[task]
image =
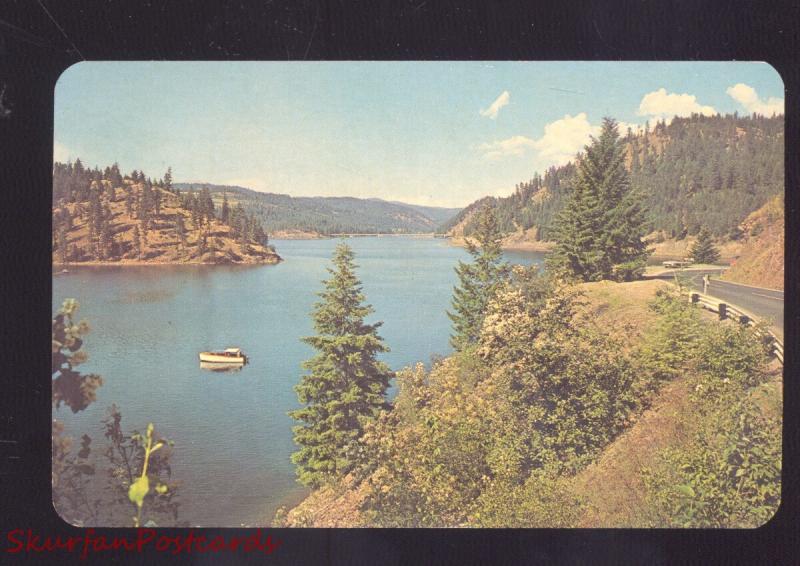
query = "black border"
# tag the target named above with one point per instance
(39, 39)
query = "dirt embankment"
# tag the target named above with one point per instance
(761, 261)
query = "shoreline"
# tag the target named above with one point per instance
(128, 263)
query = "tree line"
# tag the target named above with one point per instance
(88, 195)
(695, 172)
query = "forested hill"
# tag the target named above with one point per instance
(107, 217)
(710, 171)
(329, 215)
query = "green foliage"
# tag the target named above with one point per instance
(728, 476)
(703, 250)
(730, 355)
(568, 386)
(74, 390)
(491, 434)
(141, 475)
(346, 386)
(728, 473)
(544, 501)
(478, 281)
(599, 232)
(671, 345)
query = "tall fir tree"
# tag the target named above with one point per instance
(136, 243)
(478, 280)
(346, 384)
(703, 249)
(600, 231)
(225, 212)
(168, 179)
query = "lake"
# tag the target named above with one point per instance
(231, 431)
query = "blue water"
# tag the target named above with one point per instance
(231, 431)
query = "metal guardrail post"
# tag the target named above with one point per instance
(773, 343)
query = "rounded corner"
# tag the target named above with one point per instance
(777, 71)
(61, 517)
(766, 524)
(64, 72)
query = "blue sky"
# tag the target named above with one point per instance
(435, 133)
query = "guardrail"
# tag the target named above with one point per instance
(726, 310)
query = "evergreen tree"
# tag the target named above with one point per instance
(61, 242)
(157, 201)
(478, 280)
(346, 386)
(168, 179)
(180, 231)
(137, 243)
(599, 233)
(225, 213)
(703, 250)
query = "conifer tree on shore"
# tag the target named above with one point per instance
(478, 280)
(703, 250)
(600, 231)
(346, 386)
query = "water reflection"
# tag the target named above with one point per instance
(222, 366)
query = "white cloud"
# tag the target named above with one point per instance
(663, 104)
(748, 98)
(561, 141)
(564, 138)
(495, 107)
(515, 145)
(61, 153)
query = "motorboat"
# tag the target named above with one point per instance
(226, 356)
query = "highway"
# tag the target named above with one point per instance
(767, 304)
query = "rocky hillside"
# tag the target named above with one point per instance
(695, 172)
(108, 219)
(761, 260)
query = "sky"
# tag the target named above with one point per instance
(430, 133)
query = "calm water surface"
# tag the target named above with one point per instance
(231, 431)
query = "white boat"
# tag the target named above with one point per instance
(227, 356)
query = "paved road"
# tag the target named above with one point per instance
(764, 303)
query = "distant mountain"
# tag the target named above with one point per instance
(710, 171)
(328, 215)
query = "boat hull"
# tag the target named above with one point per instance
(221, 359)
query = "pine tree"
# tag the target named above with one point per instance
(180, 231)
(703, 250)
(137, 243)
(157, 201)
(346, 386)
(225, 213)
(61, 242)
(168, 179)
(478, 280)
(599, 232)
